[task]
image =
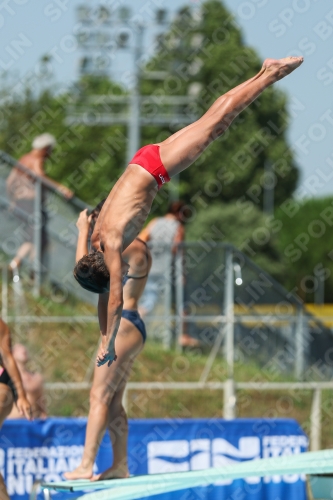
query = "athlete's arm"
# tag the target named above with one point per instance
(135, 256)
(102, 309)
(22, 403)
(83, 224)
(38, 168)
(41, 400)
(145, 233)
(115, 265)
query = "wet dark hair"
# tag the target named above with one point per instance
(92, 273)
(94, 216)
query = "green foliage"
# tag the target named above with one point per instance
(306, 244)
(203, 56)
(243, 226)
(208, 52)
(209, 55)
(87, 159)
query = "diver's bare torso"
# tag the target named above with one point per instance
(126, 208)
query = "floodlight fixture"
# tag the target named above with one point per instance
(123, 38)
(101, 62)
(83, 14)
(82, 37)
(161, 16)
(124, 13)
(103, 39)
(103, 14)
(84, 64)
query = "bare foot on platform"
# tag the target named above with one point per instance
(282, 67)
(79, 473)
(112, 473)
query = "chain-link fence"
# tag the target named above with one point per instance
(217, 295)
(207, 290)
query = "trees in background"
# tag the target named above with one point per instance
(305, 243)
(206, 56)
(86, 159)
(245, 227)
(203, 56)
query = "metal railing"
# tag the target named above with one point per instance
(215, 294)
(230, 387)
(61, 232)
(229, 398)
(256, 319)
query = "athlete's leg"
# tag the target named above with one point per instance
(210, 110)
(6, 404)
(179, 152)
(25, 249)
(118, 430)
(106, 383)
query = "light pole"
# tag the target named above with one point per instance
(131, 111)
(134, 121)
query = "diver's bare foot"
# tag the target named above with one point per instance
(112, 473)
(282, 67)
(79, 473)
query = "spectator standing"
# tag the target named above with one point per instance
(163, 235)
(11, 388)
(33, 385)
(21, 191)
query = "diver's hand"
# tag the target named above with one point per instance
(106, 355)
(24, 407)
(83, 221)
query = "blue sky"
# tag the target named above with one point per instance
(275, 28)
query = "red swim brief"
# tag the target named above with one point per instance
(149, 158)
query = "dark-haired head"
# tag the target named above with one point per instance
(94, 215)
(180, 210)
(92, 273)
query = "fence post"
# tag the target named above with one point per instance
(179, 295)
(229, 389)
(229, 399)
(167, 339)
(315, 418)
(37, 237)
(4, 294)
(299, 344)
(229, 312)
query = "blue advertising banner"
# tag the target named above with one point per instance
(43, 450)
